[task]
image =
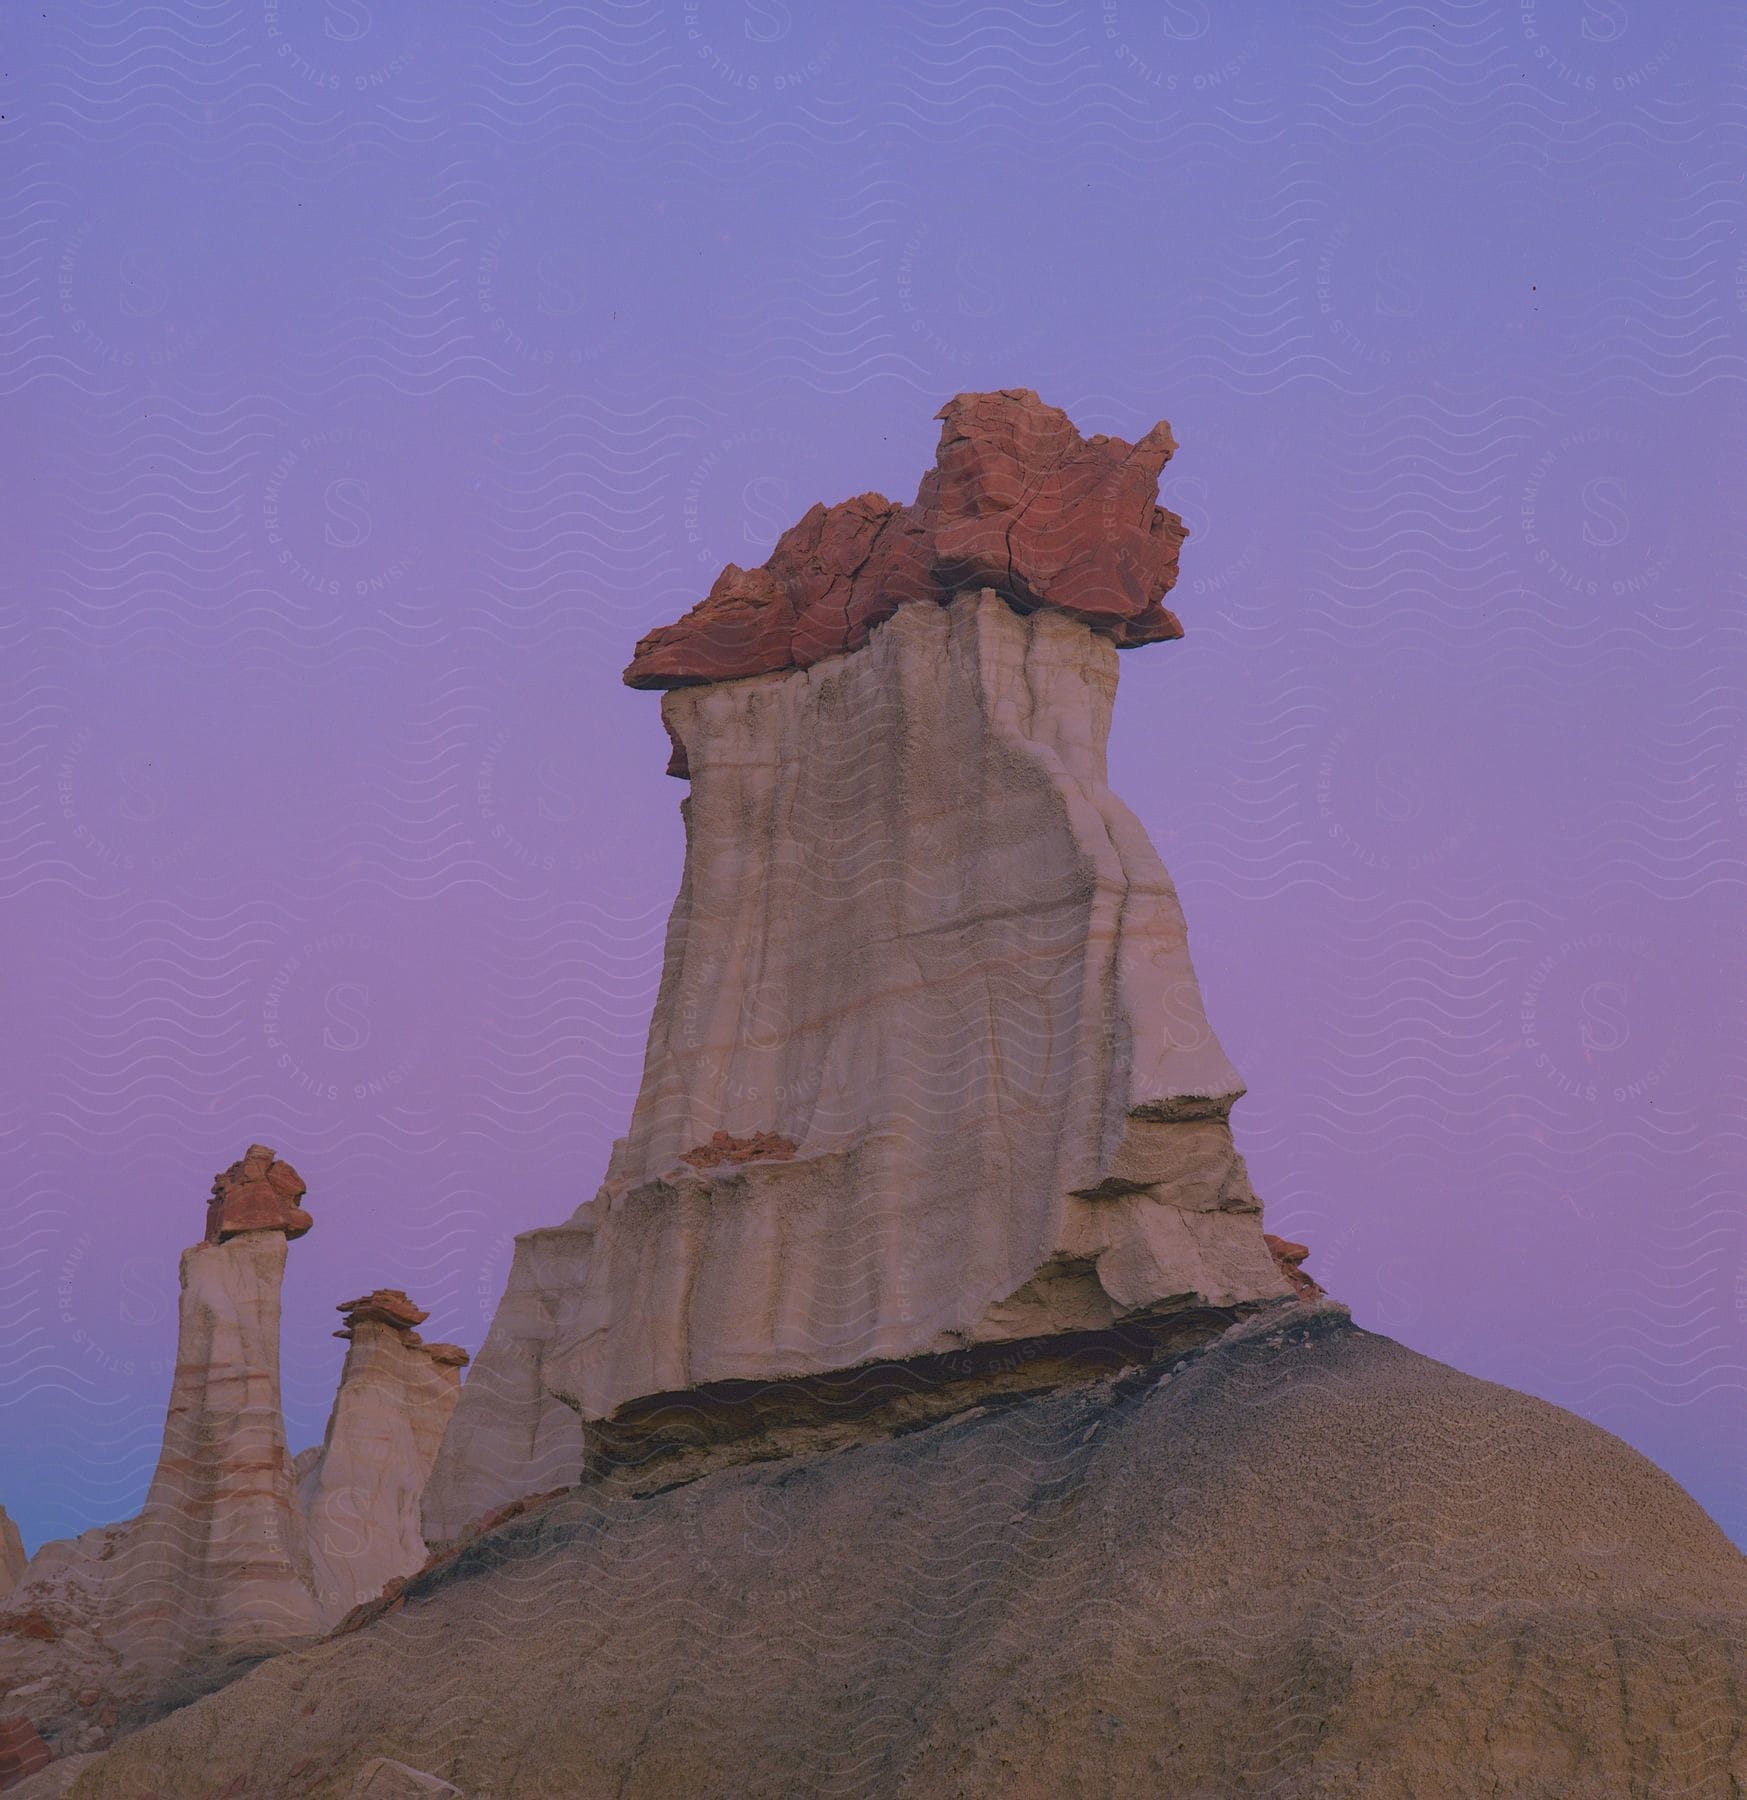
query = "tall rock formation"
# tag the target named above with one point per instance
(928, 1066)
(229, 1561)
(360, 1496)
(216, 1563)
(110, 1627)
(931, 1169)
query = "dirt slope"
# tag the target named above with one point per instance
(1308, 1563)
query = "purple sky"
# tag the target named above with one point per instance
(375, 373)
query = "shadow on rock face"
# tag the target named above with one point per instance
(1300, 1559)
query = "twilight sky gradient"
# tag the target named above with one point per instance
(376, 372)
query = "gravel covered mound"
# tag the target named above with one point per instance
(1302, 1561)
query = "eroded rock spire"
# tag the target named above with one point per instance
(929, 1068)
(216, 1563)
(233, 1556)
(360, 1494)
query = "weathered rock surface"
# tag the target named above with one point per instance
(22, 1751)
(1291, 1257)
(1307, 1562)
(259, 1193)
(240, 1550)
(382, 1778)
(723, 1147)
(919, 941)
(216, 1565)
(1017, 502)
(60, 1668)
(54, 1781)
(113, 1626)
(12, 1558)
(511, 1434)
(360, 1495)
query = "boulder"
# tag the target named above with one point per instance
(22, 1751)
(259, 1193)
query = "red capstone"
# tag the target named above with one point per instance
(259, 1193)
(762, 1146)
(1017, 501)
(388, 1306)
(1289, 1257)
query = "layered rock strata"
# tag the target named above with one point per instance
(112, 1626)
(1301, 1560)
(216, 1564)
(240, 1550)
(929, 1066)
